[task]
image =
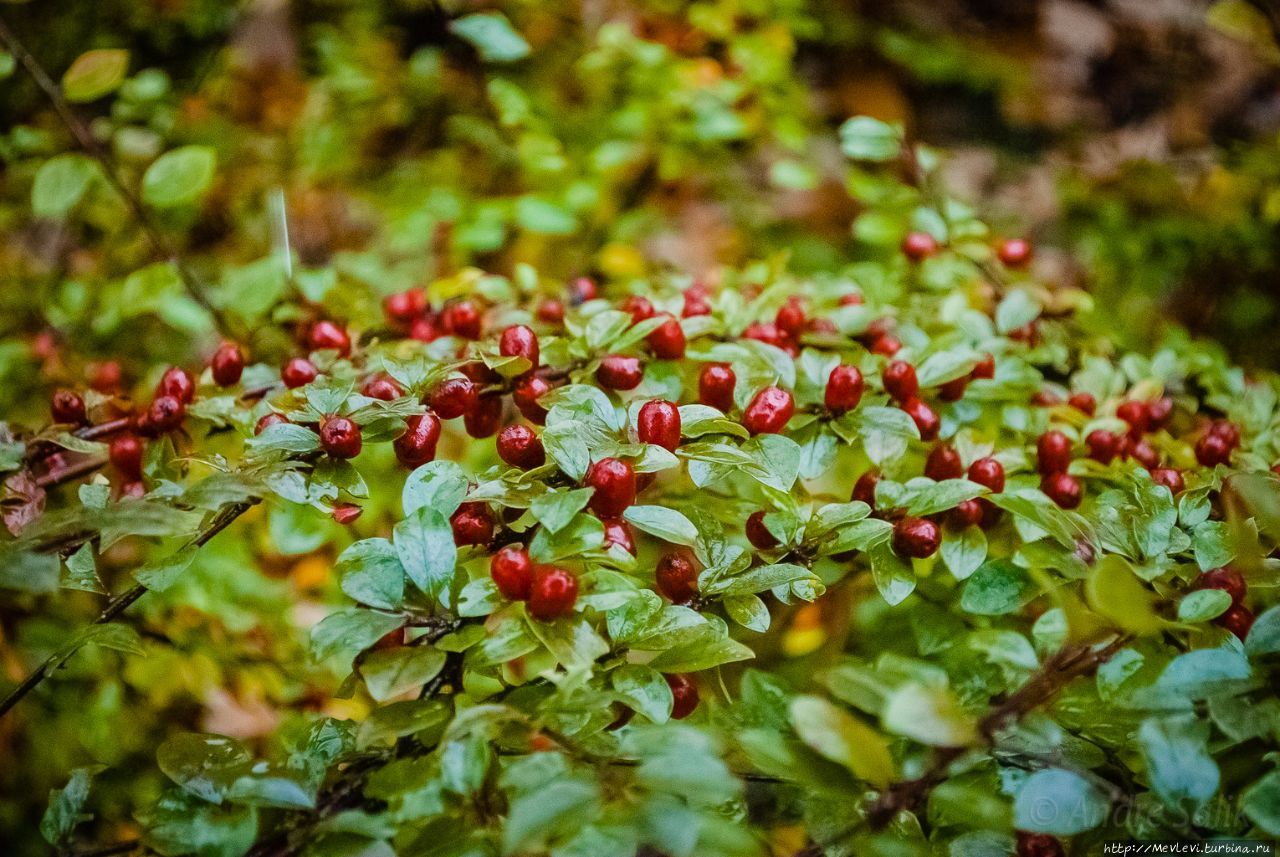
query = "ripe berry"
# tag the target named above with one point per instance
(758, 534)
(527, 391)
(1083, 402)
(520, 446)
(1145, 454)
(462, 319)
(639, 307)
(454, 397)
(919, 245)
(769, 334)
(618, 532)
(1227, 579)
(953, 390)
(417, 445)
(484, 419)
(519, 341)
(1045, 399)
(106, 377)
(551, 311)
(1062, 489)
(943, 463)
(346, 513)
(298, 372)
(615, 484)
(924, 417)
(1213, 449)
(1227, 430)
(851, 299)
(989, 473)
(1053, 452)
(1014, 252)
(512, 572)
(619, 373)
(1037, 845)
(886, 344)
(402, 308)
(1169, 478)
(340, 437)
(659, 423)
(424, 329)
(715, 386)
(582, 290)
(899, 379)
(325, 334)
(1135, 414)
(177, 382)
(67, 407)
(791, 318)
(125, 452)
(553, 594)
(165, 414)
(695, 303)
(382, 387)
(268, 420)
(472, 525)
(667, 342)
(864, 490)
(227, 364)
(1029, 333)
(677, 577)
(986, 367)
(844, 389)
(769, 411)
(1237, 619)
(916, 538)
(1159, 412)
(1104, 445)
(684, 695)
(967, 513)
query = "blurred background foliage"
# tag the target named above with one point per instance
(1136, 141)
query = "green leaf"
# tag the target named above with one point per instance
(894, 577)
(285, 437)
(885, 432)
(1261, 802)
(204, 765)
(161, 575)
(440, 485)
(392, 672)
(667, 524)
(1058, 802)
(929, 715)
(997, 588)
(66, 807)
(180, 823)
(560, 806)
(749, 611)
(1264, 636)
(644, 689)
(95, 74)
(424, 543)
(555, 509)
(839, 736)
(1203, 605)
(864, 138)
(179, 177)
(82, 571)
(1017, 309)
(928, 498)
(1178, 762)
(397, 719)
(701, 656)
(60, 184)
(372, 574)
(758, 579)
(492, 36)
(964, 552)
(348, 632)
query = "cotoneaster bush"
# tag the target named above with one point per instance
(894, 560)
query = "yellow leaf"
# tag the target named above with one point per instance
(1119, 596)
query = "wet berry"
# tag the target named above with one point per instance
(462, 319)
(618, 532)
(1063, 489)
(886, 344)
(472, 524)
(1083, 402)
(520, 446)
(402, 308)
(864, 490)
(227, 365)
(527, 391)
(165, 414)
(619, 373)
(1237, 619)
(1053, 452)
(125, 453)
(1158, 413)
(953, 390)
(768, 333)
(67, 407)
(677, 576)
(1135, 414)
(943, 463)
(667, 342)
(298, 372)
(919, 245)
(520, 341)
(899, 379)
(684, 695)
(1227, 579)
(551, 311)
(1104, 445)
(417, 445)
(791, 318)
(512, 572)
(916, 538)
(967, 513)
(454, 397)
(844, 389)
(485, 418)
(925, 418)
(639, 307)
(327, 335)
(1169, 478)
(769, 411)
(424, 329)
(1144, 453)
(553, 594)
(715, 386)
(758, 534)
(268, 420)
(695, 303)
(382, 387)
(1213, 449)
(340, 437)
(1014, 252)
(177, 382)
(659, 423)
(989, 473)
(615, 487)
(582, 290)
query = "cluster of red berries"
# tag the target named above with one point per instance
(1237, 618)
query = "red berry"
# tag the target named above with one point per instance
(1037, 845)
(715, 386)
(1104, 445)
(454, 397)
(417, 445)
(1029, 333)
(382, 387)
(484, 420)
(684, 695)
(989, 473)
(886, 344)
(1169, 478)
(639, 307)
(1159, 412)
(325, 334)
(967, 513)
(851, 299)
(1237, 619)
(899, 379)
(1063, 489)
(1045, 399)
(769, 334)
(618, 532)
(512, 572)
(1053, 452)
(1135, 414)
(402, 308)
(677, 577)
(864, 490)
(695, 303)
(924, 417)
(125, 452)
(462, 319)
(615, 484)
(227, 364)
(553, 594)
(1213, 449)
(67, 407)
(916, 538)
(758, 534)
(424, 329)
(472, 525)
(943, 463)
(165, 414)
(582, 290)
(520, 446)
(620, 373)
(346, 513)
(1145, 454)
(844, 388)
(769, 411)
(519, 341)
(340, 437)
(1083, 402)
(824, 325)
(551, 311)
(1014, 252)
(1227, 430)
(659, 423)
(791, 318)
(953, 390)
(1227, 579)
(106, 377)
(986, 368)
(268, 420)
(667, 342)
(919, 245)
(177, 382)
(298, 372)
(527, 391)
